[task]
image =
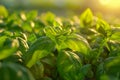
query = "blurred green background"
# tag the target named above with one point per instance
(65, 7)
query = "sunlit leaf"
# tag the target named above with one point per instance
(26, 27)
(76, 43)
(39, 49)
(32, 38)
(3, 11)
(48, 18)
(23, 46)
(86, 18)
(103, 27)
(6, 52)
(31, 15)
(50, 32)
(115, 36)
(8, 47)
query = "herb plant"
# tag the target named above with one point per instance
(48, 47)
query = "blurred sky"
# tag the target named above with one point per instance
(108, 7)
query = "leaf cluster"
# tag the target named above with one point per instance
(48, 47)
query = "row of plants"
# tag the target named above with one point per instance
(47, 47)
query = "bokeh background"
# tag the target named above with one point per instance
(106, 8)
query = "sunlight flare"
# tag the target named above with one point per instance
(110, 3)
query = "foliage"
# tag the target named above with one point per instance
(53, 48)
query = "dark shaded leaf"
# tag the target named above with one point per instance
(69, 65)
(13, 71)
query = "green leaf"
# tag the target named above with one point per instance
(2, 40)
(13, 71)
(115, 36)
(105, 77)
(23, 46)
(3, 12)
(85, 70)
(69, 65)
(32, 38)
(86, 18)
(8, 47)
(39, 49)
(27, 27)
(110, 69)
(100, 70)
(48, 18)
(65, 39)
(50, 32)
(4, 53)
(37, 70)
(31, 15)
(74, 42)
(112, 66)
(103, 27)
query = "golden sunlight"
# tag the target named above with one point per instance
(104, 2)
(110, 3)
